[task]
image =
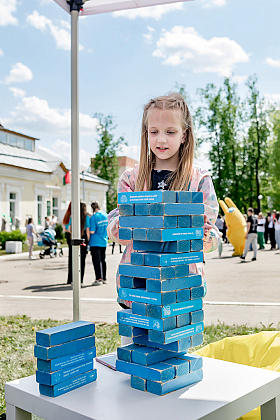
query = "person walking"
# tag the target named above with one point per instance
(251, 235)
(260, 230)
(98, 242)
(271, 229)
(31, 234)
(267, 219)
(277, 229)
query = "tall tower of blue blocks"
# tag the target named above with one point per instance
(65, 357)
(167, 316)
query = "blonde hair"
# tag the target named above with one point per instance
(180, 178)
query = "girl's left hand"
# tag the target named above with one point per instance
(207, 226)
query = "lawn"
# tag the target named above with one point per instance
(18, 333)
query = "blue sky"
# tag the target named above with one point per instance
(125, 59)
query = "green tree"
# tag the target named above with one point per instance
(274, 159)
(105, 162)
(257, 143)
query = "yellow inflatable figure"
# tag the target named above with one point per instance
(236, 225)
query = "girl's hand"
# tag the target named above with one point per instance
(207, 226)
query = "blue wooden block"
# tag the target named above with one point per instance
(141, 295)
(125, 234)
(183, 320)
(157, 209)
(166, 260)
(161, 312)
(173, 284)
(196, 316)
(182, 209)
(166, 337)
(183, 295)
(131, 270)
(64, 333)
(195, 361)
(184, 221)
(196, 340)
(132, 282)
(126, 209)
(137, 258)
(47, 378)
(170, 222)
(128, 318)
(176, 347)
(164, 235)
(197, 292)
(147, 197)
(182, 270)
(137, 222)
(138, 383)
(189, 197)
(129, 331)
(142, 209)
(197, 221)
(139, 234)
(66, 361)
(197, 245)
(139, 308)
(181, 366)
(147, 356)
(174, 384)
(69, 385)
(125, 352)
(48, 353)
(157, 372)
(171, 246)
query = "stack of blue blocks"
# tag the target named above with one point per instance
(167, 315)
(65, 357)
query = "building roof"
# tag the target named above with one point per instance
(39, 160)
(16, 133)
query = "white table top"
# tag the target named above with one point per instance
(227, 391)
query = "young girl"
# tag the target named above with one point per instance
(166, 162)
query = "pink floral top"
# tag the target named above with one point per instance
(200, 181)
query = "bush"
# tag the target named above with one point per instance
(15, 235)
(59, 232)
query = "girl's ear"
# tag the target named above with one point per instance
(184, 137)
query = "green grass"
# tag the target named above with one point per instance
(18, 333)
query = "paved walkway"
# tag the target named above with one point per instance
(238, 292)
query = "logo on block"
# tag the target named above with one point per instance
(198, 233)
(156, 324)
(166, 310)
(199, 329)
(123, 199)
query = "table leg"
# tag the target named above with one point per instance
(15, 413)
(271, 409)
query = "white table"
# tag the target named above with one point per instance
(227, 391)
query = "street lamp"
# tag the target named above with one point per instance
(260, 197)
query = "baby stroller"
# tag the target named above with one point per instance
(50, 244)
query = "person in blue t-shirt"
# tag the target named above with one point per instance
(98, 242)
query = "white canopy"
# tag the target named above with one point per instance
(93, 7)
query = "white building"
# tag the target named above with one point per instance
(31, 183)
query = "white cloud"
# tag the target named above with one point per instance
(239, 79)
(132, 151)
(18, 93)
(154, 12)
(272, 63)
(61, 34)
(19, 73)
(1, 53)
(62, 150)
(212, 3)
(187, 48)
(7, 8)
(272, 98)
(36, 114)
(149, 36)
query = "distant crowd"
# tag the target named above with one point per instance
(260, 230)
